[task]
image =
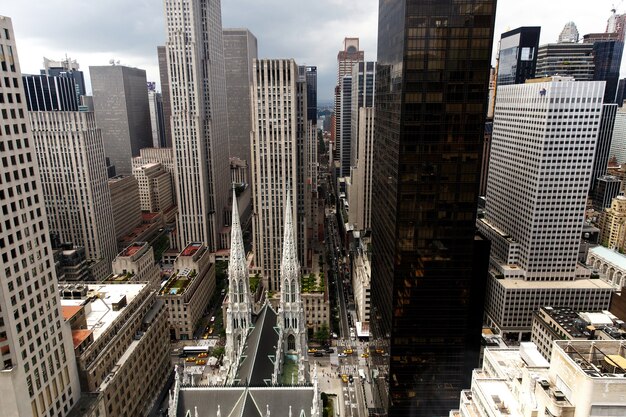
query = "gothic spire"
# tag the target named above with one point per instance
(237, 264)
(289, 266)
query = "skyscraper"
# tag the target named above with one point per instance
(240, 50)
(542, 150)
(569, 34)
(276, 163)
(518, 55)
(311, 94)
(157, 120)
(39, 375)
(605, 133)
(165, 93)
(66, 68)
(607, 59)
(345, 129)
(195, 61)
(49, 93)
(120, 99)
(428, 266)
(569, 59)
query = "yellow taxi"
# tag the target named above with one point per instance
(380, 351)
(190, 359)
(203, 355)
(365, 355)
(344, 378)
(348, 351)
(200, 362)
(312, 350)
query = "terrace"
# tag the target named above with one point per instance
(313, 283)
(178, 282)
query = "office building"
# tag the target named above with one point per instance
(124, 192)
(360, 190)
(428, 266)
(346, 58)
(603, 148)
(199, 120)
(66, 68)
(566, 59)
(120, 99)
(277, 166)
(49, 93)
(621, 92)
(74, 180)
(311, 94)
(565, 323)
(618, 140)
(583, 378)
(188, 290)
(157, 121)
(136, 264)
(607, 188)
(71, 262)
(345, 129)
(121, 343)
(38, 374)
(534, 222)
(607, 59)
(155, 187)
(165, 95)
(518, 55)
(569, 34)
(240, 49)
(613, 224)
(363, 83)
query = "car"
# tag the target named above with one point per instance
(342, 355)
(365, 355)
(190, 359)
(350, 378)
(203, 355)
(380, 351)
(344, 378)
(203, 362)
(348, 351)
(212, 319)
(330, 350)
(205, 336)
(312, 350)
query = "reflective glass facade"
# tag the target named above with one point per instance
(428, 266)
(518, 55)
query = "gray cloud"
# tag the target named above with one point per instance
(312, 32)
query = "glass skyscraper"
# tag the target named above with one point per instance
(518, 55)
(428, 265)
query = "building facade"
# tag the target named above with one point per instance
(607, 188)
(136, 264)
(195, 60)
(165, 95)
(155, 187)
(39, 376)
(603, 148)
(125, 202)
(74, 179)
(566, 59)
(518, 55)
(120, 99)
(50, 93)
(613, 225)
(428, 266)
(607, 59)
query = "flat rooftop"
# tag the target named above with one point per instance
(609, 255)
(191, 249)
(99, 304)
(133, 249)
(520, 284)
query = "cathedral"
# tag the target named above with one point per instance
(265, 368)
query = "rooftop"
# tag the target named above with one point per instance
(520, 284)
(596, 358)
(99, 304)
(609, 255)
(79, 336)
(133, 249)
(69, 311)
(178, 282)
(191, 249)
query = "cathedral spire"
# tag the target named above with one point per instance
(239, 313)
(289, 265)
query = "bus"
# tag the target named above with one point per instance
(362, 374)
(194, 350)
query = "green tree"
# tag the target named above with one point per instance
(322, 334)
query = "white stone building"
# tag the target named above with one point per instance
(136, 264)
(155, 187)
(38, 374)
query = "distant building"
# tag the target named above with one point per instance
(120, 98)
(566, 59)
(569, 34)
(361, 278)
(72, 167)
(73, 264)
(49, 93)
(157, 122)
(603, 148)
(66, 68)
(165, 95)
(155, 187)
(607, 59)
(121, 343)
(125, 203)
(518, 55)
(621, 92)
(136, 264)
(618, 141)
(188, 290)
(311, 94)
(613, 224)
(607, 188)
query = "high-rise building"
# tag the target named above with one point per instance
(621, 92)
(195, 61)
(618, 140)
(428, 265)
(603, 147)
(39, 375)
(566, 59)
(616, 24)
(311, 93)
(606, 189)
(533, 219)
(74, 183)
(240, 49)
(518, 55)
(155, 187)
(165, 93)
(276, 165)
(49, 93)
(569, 34)
(157, 121)
(607, 59)
(66, 68)
(346, 58)
(363, 82)
(613, 224)
(120, 99)
(125, 203)
(345, 129)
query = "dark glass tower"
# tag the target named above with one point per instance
(518, 55)
(428, 265)
(607, 58)
(311, 94)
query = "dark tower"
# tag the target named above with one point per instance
(518, 55)
(428, 265)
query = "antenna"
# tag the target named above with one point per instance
(112, 61)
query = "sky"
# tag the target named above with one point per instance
(94, 31)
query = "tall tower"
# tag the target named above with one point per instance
(291, 310)
(432, 82)
(120, 100)
(195, 61)
(518, 55)
(38, 372)
(239, 312)
(278, 158)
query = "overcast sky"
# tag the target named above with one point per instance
(312, 32)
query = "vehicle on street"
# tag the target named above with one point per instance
(330, 350)
(312, 350)
(203, 355)
(190, 359)
(342, 355)
(318, 354)
(365, 355)
(350, 378)
(348, 351)
(344, 378)
(203, 362)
